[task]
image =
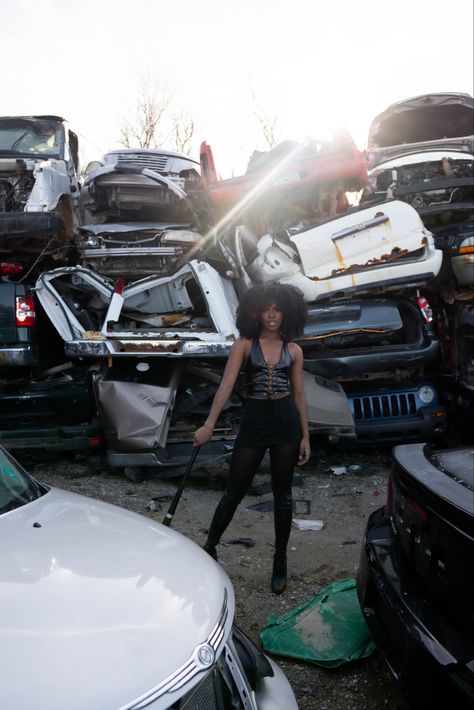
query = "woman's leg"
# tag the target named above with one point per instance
(243, 465)
(283, 459)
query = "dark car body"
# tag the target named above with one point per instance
(18, 331)
(415, 580)
(27, 336)
(54, 411)
(350, 338)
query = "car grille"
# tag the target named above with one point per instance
(153, 162)
(384, 406)
(203, 697)
(189, 669)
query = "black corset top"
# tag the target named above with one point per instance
(267, 381)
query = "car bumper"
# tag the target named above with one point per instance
(426, 655)
(375, 361)
(32, 223)
(53, 439)
(19, 356)
(429, 423)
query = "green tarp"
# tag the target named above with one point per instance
(328, 630)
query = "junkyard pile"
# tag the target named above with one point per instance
(119, 288)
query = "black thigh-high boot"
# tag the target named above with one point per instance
(283, 518)
(223, 515)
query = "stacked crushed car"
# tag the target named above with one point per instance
(139, 288)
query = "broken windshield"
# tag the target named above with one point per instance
(24, 136)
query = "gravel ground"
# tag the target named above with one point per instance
(342, 502)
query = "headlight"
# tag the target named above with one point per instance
(426, 394)
(467, 246)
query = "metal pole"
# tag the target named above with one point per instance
(174, 503)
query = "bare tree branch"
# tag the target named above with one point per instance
(183, 132)
(270, 123)
(147, 128)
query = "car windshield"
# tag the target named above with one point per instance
(16, 487)
(30, 137)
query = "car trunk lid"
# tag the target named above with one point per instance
(433, 515)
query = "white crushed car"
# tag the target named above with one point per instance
(137, 216)
(377, 248)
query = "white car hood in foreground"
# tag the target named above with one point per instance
(98, 605)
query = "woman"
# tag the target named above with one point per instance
(275, 415)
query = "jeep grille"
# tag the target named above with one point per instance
(384, 406)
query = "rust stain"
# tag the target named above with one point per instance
(352, 331)
(339, 256)
(394, 255)
(152, 347)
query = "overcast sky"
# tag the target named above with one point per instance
(313, 64)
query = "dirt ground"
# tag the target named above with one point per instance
(343, 502)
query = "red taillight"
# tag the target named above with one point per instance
(11, 268)
(418, 510)
(25, 313)
(425, 309)
(95, 441)
(389, 502)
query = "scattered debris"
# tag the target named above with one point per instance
(354, 468)
(308, 524)
(337, 470)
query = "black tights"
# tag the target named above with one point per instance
(243, 465)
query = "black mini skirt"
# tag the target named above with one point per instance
(267, 422)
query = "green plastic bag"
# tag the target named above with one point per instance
(327, 630)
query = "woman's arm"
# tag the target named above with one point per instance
(237, 357)
(297, 389)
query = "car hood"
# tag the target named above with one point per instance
(99, 605)
(423, 118)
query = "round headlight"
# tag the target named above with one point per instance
(426, 394)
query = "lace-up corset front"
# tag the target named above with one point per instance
(266, 381)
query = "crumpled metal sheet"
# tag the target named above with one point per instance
(135, 415)
(327, 404)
